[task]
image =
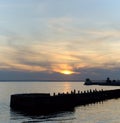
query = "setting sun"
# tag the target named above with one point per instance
(67, 72)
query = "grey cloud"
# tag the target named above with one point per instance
(92, 73)
(24, 54)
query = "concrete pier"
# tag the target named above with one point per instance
(44, 102)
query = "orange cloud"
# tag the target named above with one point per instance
(18, 66)
(93, 49)
(63, 68)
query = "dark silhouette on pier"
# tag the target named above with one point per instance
(45, 103)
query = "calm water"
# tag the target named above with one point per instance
(104, 112)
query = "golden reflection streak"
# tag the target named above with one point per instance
(67, 87)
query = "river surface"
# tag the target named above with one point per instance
(102, 112)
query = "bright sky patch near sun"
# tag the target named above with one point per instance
(67, 72)
(59, 36)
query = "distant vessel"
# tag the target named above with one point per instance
(102, 82)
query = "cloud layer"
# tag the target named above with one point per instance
(41, 38)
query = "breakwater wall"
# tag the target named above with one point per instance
(44, 102)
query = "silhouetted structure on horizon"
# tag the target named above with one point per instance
(102, 82)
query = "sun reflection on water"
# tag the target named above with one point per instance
(67, 87)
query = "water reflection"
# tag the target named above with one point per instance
(95, 112)
(8, 88)
(67, 87)
(53, 117)
(106, 112)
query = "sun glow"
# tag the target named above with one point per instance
(67, 72)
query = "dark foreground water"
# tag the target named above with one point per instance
(103, 112)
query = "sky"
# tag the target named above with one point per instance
(59, 39)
